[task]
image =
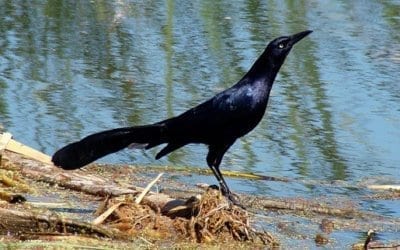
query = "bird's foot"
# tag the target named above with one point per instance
(232, 198)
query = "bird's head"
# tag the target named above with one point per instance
(271, 60)
(280, 47)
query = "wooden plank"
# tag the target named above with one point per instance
(6, 142)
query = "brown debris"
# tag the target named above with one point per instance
(161, 219)
(327, 226)
(321, 239)
(212, 220)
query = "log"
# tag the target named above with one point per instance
(75, 180)
(306, 206)
(28, 222)
(80, 181)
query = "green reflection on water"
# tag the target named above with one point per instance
(57, 55)
(301, 118)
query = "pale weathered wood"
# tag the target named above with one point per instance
(384, 187)
(20, 148)
(79, 180)
(147, 189)
(7, 143)
(4, 140)
(76, 180)
(102, 217)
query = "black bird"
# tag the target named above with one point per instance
(217, 122)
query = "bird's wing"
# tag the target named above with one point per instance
(225, 114)
(225, 107)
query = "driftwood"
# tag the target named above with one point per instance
(87, 181)
(214, 220)
(80, 181)
(95, 185)
(6, 142)
(303, 206)
(385, 187)
(28, 222)
(75, 180)
(122, 217)
(43, 170)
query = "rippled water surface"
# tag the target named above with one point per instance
(71, 68)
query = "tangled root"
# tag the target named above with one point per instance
(212, 220)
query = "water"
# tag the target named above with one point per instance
(71, 68)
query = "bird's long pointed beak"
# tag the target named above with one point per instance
(297, 37)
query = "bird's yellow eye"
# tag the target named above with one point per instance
(281, 45)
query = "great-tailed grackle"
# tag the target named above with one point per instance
(217, 122)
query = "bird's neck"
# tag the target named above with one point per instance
(264, 69)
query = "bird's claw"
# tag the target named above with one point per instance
(234, 201)
(232, 198)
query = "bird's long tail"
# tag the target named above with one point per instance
(95, 146)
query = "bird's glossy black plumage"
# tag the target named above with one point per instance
(217, 122)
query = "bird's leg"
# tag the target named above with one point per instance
(226, 192)
(224, 187)
(214, 158)
(222, 184)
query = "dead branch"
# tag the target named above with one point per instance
(28, 222)
(79, 180)
(75, 180)
(306, 206)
